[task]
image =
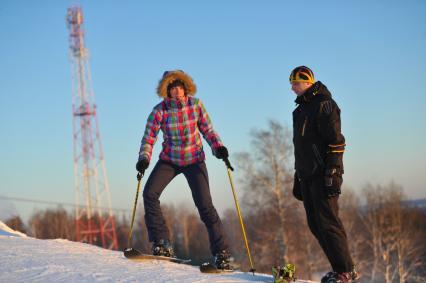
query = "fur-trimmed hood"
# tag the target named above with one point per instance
(171, 76)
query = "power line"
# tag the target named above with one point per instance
(57, 203)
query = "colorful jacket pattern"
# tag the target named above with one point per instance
(181, 123)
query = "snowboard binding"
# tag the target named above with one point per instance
(343, 277)
(223, 260)
(163, 248)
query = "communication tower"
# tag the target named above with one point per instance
(95, 222)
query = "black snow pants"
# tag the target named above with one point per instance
(198, 180)
(325, 224)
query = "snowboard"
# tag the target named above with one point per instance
(208, 267)
(136, 255)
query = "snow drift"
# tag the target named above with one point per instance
(26, 259)
(6, 231)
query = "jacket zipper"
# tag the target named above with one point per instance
(304, 126)
(318, 155)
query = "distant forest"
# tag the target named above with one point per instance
(386, 233)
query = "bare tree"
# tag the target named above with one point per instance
(52, 224)
(16, 224)
(395, 236)
(140, 234)
(193, 237)
(123, 229)
(381, 237)
(410, 246)
(267, 178)
(356, 230)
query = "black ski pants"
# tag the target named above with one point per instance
(198, 180)
(325, 224)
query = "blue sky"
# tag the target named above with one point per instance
(370, 54)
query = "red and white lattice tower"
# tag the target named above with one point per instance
(95, 222)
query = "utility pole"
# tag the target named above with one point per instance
(94, 225)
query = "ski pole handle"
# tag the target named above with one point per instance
(228, 164)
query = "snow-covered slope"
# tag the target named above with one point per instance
(6, 231)
(25, 259)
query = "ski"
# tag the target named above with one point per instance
(136, 255)
(207, 267)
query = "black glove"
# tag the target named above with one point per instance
(142, 165)
(297, 192)
(222, 152)
(332, 182)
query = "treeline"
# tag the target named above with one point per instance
(386, 236)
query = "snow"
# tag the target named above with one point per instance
(6, 231)
(26, 259)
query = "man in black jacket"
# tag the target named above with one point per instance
(318, 149)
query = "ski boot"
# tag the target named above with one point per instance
(222, 260)
(342, 277)
(163, 248)
(284, 274)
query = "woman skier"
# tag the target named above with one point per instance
(181, 117)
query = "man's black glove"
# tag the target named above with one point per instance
(297, 191)
(222, 152)
(332, 182)
(141, 165)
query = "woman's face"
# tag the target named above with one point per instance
(177, 92)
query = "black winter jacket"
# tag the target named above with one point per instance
(318, 141)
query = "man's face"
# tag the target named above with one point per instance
(299, 88)
(177, 92)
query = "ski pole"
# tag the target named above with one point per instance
(229, 168)
(139, 177)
